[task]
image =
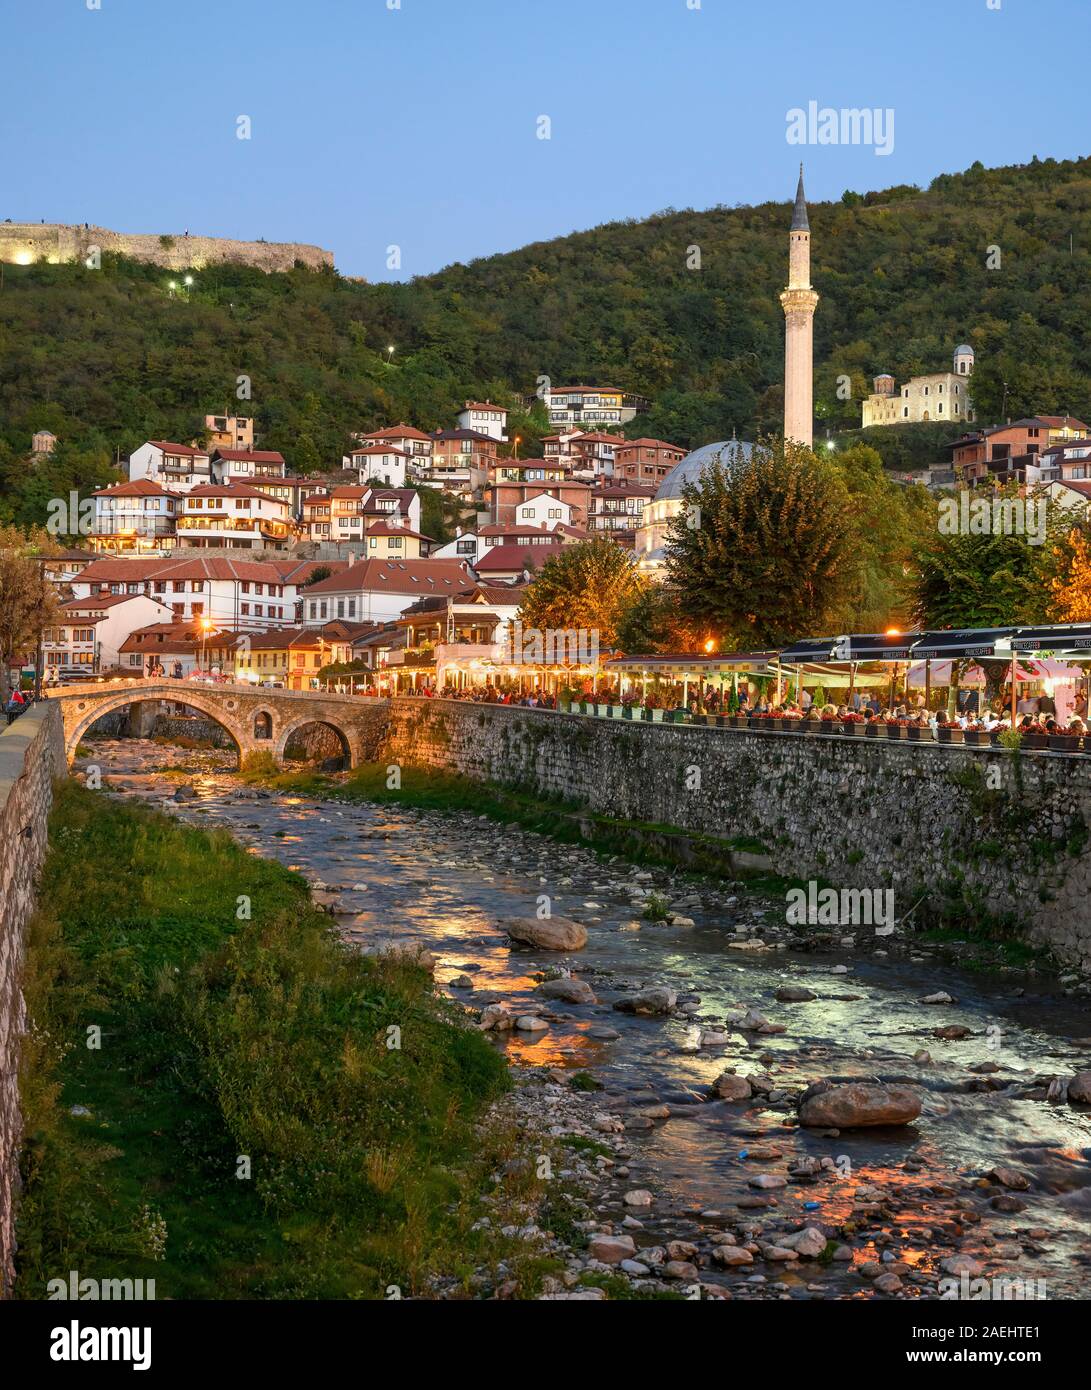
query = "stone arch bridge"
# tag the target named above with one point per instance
(256, 719)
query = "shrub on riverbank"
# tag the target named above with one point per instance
(246, 1126)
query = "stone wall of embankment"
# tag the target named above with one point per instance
(31, 756)
(968, 834)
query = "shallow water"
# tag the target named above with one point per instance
(445, 883)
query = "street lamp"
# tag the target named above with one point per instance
(206, 628)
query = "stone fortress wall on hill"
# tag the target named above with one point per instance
(23, 243)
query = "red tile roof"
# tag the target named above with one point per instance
(140, 487)
(186, 450)
(233, 490)
(397, 577)
(650, 444)
(398, 432)
(209, 567)
(244, 455)
(508, 559)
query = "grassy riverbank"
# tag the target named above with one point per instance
(243, 1126)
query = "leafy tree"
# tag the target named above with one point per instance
(28, 604)
(983, 580)
(589, 585)
(763, 550)
(1071, 589)
(890, 521)
(651, 623)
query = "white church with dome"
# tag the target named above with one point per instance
(799, 301)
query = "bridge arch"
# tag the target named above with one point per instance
(82, 713)
(347, 736)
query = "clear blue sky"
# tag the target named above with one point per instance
(417, 126)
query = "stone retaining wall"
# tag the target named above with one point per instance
(31, 756)
(978, 834)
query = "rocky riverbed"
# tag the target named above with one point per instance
(703, 1070)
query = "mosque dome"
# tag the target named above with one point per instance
(694, 466)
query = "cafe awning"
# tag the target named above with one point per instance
(809, 649)
(880, 646)
(672, 665)
(985, 643)
(1063, 639)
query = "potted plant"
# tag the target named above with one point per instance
(919, 733)
(1064, 743)
(976, 735)
(948, 733)
(895, 728)
(627, 708)
(853, 725)
(1034, 738)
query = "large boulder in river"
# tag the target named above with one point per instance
(1079, 1088)
(857, 1105)
(656, 1000)
(548, 934)
(568, 991)
(731, 1087)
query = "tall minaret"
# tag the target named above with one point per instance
(799, 302)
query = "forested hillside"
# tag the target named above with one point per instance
(107, 358)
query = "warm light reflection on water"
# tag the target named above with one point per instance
(428, 881)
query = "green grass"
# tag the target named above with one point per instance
(983, 947)
(225, 1037)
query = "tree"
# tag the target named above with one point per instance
(588, 586)
(1071, 589)
(763, 550)
(28, 604)
(651, 623)
(985, 579)
(319, 572)
(890, 521)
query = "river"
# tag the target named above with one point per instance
(916, 1194)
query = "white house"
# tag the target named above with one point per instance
(545, 511)
(220, 515)
(246, 465)
(137, 517)
(407, 438)
(380, 590)
(176, 467)
(382, 464)
(485, 418)
(238, 594)
(90, 635)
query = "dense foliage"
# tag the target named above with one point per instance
(107, 358)
(789, 543)
(587, 587)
